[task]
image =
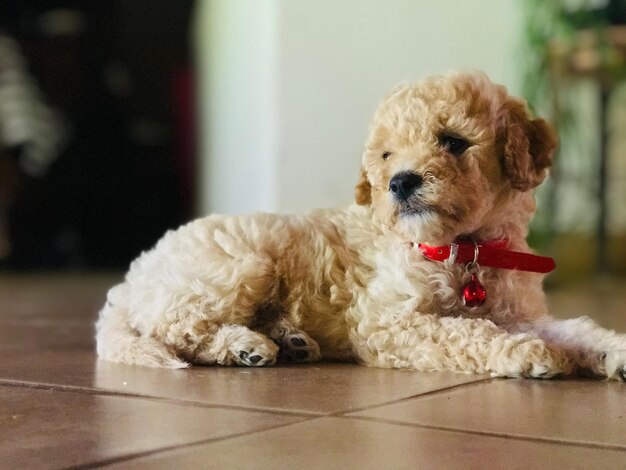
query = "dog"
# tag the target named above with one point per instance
(429, 269)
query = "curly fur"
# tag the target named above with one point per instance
(346, 284)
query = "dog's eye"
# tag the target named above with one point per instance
(455, 145)
(386, 155)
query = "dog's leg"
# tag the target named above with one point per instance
(430, 343)
(204, 307)
(295, 345)
(235, 345)
(118, 341)
(596, 349)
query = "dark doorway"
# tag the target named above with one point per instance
(119, 73)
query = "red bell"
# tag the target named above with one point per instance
(474, 293)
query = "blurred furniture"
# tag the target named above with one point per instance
(111, 69)
(600, 56)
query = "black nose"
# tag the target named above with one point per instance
(404, 184)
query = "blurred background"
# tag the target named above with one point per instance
(122, 119)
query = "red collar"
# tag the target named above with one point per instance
(491, 253)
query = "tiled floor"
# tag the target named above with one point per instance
(60, 407)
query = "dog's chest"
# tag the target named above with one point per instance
(430, 287)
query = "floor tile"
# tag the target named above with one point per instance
(319, 389)
(45, 336)
(57, 429)
(602, 300)
(350, 443)
(47, 340)
(62, 298)
(323, 388)
(64, 354)
(588, 412)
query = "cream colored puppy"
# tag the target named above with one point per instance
(448, 169)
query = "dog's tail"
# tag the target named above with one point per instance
(118, 341)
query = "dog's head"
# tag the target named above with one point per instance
(454, 155)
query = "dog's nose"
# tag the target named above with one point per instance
(404, 184)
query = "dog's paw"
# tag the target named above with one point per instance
(615, 364)
(254, 351)
(297, 347)
(531, 359)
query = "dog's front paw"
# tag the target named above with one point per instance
(531, 358)
(615, 364)
(254, 351)
(298, 347)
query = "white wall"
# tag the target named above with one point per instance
(288, 86)
(236, 44)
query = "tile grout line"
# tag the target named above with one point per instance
(309, 415)
(514, 437)
(174, 401)
(411, 397)
(278, 411)
(105, 392)
(130, 457)
(313, 414)
(148, 453)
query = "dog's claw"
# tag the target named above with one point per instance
(615, 364)
(256, 358)
(298, 342)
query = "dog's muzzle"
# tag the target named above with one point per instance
(403, 185)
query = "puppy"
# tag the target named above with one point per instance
(429, 270)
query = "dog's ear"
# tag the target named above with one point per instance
(528, 147)
(363, 190)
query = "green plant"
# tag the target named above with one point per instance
(559, 36)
